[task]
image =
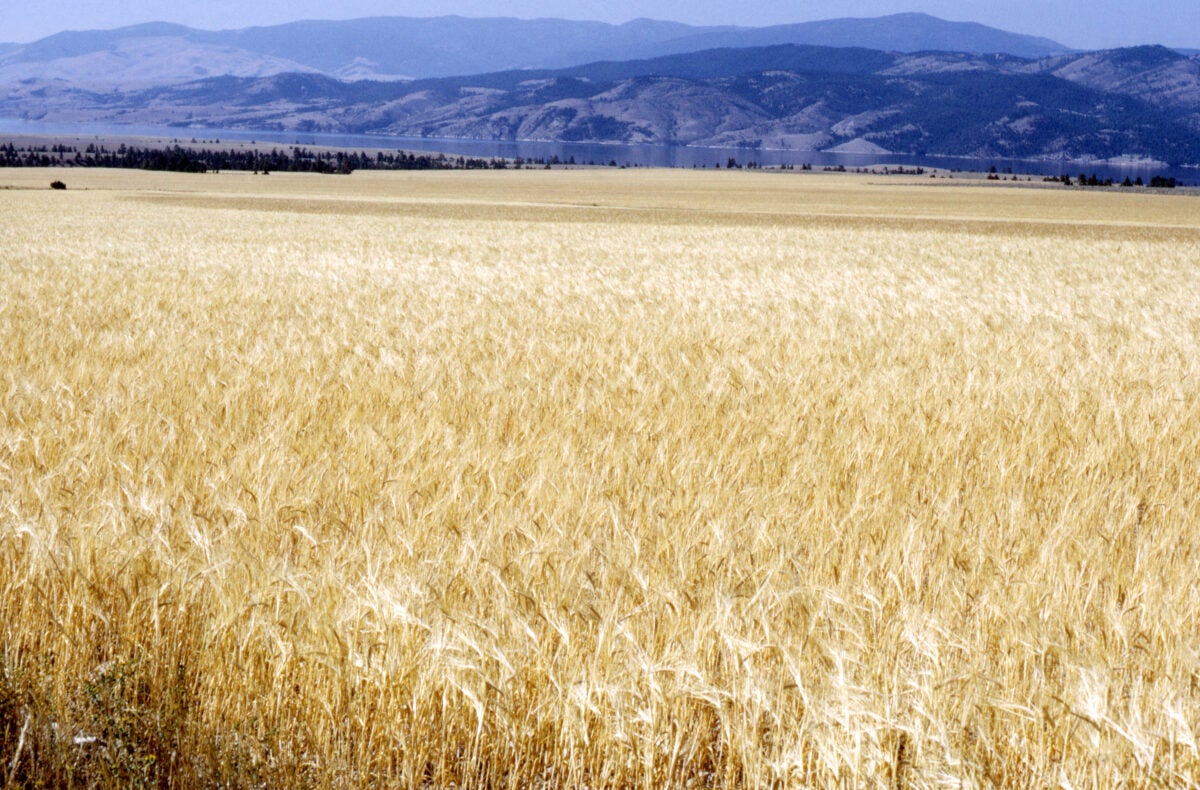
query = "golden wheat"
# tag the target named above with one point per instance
(597, 479)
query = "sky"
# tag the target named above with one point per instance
(1083, 24)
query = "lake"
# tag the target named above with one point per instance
(604, 154)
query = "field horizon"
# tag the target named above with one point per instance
(596, 478)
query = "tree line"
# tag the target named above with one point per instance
(176, 158)
(1084, 180)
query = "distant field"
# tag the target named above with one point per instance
(596, 478)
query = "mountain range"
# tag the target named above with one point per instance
(391, 48)
(974, 99)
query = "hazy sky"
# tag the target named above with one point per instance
(1079, 23)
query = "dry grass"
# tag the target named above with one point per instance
(596, 479)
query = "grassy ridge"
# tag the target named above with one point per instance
(390, 479)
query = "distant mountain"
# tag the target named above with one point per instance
(136, 61)
(1087, 105)
(895, 33)
(407, 47)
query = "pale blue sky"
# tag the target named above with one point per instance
(1085, 24)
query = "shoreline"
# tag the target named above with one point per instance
(934, 176)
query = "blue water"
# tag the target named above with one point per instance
(621, 155)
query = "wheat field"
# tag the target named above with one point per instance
(597, 479)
